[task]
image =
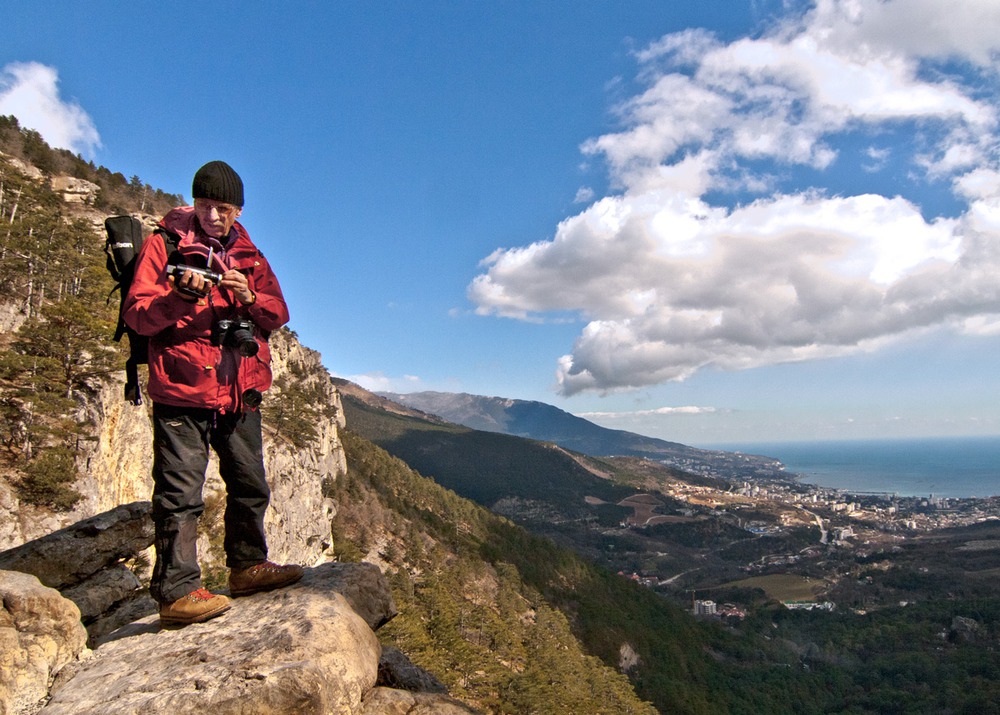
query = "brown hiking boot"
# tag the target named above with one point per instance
(197, 606)
(262, 577)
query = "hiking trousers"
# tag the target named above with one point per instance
(182, 437)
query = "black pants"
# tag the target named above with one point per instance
(181, 439)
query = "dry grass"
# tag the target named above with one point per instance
(784, 587)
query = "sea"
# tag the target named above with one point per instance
(947, 467)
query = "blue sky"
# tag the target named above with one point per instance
(711, 222)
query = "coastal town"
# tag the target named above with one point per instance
(809, 546)
(765, 481)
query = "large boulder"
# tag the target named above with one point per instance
(100, 594)
(40, 632)
(309, 648)
(85, 562)
(67, 557)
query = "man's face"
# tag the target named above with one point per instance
(215, 217)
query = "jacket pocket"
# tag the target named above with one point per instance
(186, 372)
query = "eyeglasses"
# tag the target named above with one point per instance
(224, 210)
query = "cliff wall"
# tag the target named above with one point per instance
(115, 463)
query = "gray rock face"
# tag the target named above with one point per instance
(395, 670)
(40, 632)
(308, 648)
(67, 557)
(115, 466)
(84, 561)
(298, 521)
(103, 592)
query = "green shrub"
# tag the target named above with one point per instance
(48, 480)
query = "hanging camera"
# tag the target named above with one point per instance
(236, 334)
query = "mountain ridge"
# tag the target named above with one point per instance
(540, 421)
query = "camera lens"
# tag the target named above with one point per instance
(252, 398)
(245, 343)
(243, 339)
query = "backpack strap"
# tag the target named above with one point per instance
(133, 393)
(139, 344)
(170, 240)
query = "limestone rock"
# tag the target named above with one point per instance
(68, 556)
(386, 701)
(12, 316)
(308, 648)
(74, 190)
(29, 170)
(10, 528)
(115, 468)
(116, 464)
(40, 632)
(365, 588)
(119, 470)
(964, 629)
(298, 523)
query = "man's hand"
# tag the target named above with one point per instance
(236, 283)
(190, 282)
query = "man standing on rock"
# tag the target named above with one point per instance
(208, 301)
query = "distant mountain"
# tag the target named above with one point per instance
(485, 466)
(539, 421)
(535, 420)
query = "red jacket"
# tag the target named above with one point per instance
(185, 368)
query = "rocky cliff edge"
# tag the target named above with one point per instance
(309, 648)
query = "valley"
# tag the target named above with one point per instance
(688, 523)
(806, 600)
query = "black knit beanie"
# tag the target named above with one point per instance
(217, 181)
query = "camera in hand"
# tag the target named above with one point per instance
(236, 334)
(178, 270)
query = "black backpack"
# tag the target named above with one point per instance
(122, 246)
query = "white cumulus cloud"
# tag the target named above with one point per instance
(380, 382)
(30, 92)
(670, 280)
